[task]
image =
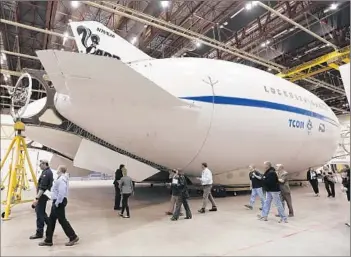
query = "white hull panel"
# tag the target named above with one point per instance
(247, 121)
(101, 159)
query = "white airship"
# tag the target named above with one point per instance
(180, 112)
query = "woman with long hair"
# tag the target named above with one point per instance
(127, 189)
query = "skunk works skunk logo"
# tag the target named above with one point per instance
(91, 42)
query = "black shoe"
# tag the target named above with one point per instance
(45, 243)
(248, 206)
(188, 218)
(72, 242)
(173, 219)
(36, 236)
(117, 208)
(214, 208)
(202, 210)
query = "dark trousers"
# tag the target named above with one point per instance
(182, 201)
(117, 198)
(42, 217)
(314, 184)
(286, 197)
(59, 213)
(330, 187)
(125, 205)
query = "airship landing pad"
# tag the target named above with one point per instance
(318, 228)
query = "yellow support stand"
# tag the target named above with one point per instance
(17, 175)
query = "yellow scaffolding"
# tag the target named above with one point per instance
(333, 60)
(310, 74)
(17, 173)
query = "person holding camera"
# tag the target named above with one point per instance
(312, 177)
(44, 183)
(256, 187)
(181, 190)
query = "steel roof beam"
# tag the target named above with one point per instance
(296, 24)
(150, 20)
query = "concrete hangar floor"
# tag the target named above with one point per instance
(318, 228)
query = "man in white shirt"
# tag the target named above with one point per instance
(206, 182)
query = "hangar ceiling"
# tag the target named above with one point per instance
(244, 25)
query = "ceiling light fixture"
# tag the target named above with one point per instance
(198, 44)
(74, 4)
(164, 4)
(133, 41)
(248, 6)
(65, 36)
(333, 6)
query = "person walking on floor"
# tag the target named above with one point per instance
(44, 183)
(329, 182)
(58, 210)
(346, 185)
(181, 188)
(118, 176)
(206, 182)
(285, 192)
(127, 189)
(256, 187)
(174, 195)
(272, 188)
(313, 179)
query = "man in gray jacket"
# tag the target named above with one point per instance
(285, 188)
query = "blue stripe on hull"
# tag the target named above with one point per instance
(260, 104)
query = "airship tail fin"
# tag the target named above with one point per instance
(93, 37)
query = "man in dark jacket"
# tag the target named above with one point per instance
(181, 190)
(313, 179)
(118, 176)
(272, 188)
(174, 195)
(44, 183)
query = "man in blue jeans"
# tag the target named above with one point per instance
(256, 187)
(272, 188)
